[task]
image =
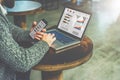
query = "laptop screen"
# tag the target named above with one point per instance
(73, 22)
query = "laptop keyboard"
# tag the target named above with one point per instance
(62, 38)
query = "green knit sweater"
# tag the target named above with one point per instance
(13, 57)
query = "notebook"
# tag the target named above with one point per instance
(70, 29)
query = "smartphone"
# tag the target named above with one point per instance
(42, 24)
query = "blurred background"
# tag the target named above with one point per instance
(103, 29)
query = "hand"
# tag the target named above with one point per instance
(34, 24)
(38, 35)
(49, 38)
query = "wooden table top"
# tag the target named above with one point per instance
(24, 7)
(68, 59)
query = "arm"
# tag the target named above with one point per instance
(19, 58)
(20, 35)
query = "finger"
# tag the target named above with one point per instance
(37, 38)
(40, 33)
(53, 35)
(54, 38)
(34, 24)
(43, 30)
(48, 34)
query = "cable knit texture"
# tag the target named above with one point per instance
(13, 57)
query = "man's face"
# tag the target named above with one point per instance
(8, 3)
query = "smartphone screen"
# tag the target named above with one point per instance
(41, 25)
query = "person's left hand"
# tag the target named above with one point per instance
(38, 35)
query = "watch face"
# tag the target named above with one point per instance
(9, 3)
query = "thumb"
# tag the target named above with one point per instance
(33, 25)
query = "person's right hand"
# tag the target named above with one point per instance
(49, 38)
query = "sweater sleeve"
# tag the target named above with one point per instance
(19, 58)
(21, 36)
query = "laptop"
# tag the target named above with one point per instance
(70, 29)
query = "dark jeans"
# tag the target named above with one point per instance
(23, 76)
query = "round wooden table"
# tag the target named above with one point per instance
(23, 8)
(53, 64)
